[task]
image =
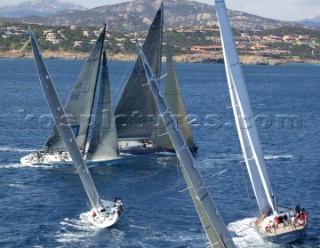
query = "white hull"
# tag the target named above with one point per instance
(54, 158)
(285, 231)
(104, 217)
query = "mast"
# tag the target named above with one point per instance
(212, 222)
(79, 104)
(63, 125)
(243, 114)
(104, 144)
(175, 101)
(136, 114)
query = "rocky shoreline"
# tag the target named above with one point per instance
(208, 58)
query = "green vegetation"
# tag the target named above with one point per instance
(13, 37)
(292, 31)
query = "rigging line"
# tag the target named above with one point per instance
(124, 84)
(98, 177)
(232, 138)
(121, 86)
(217, 174)
(24, 46)
(247, 190)
(131, 86)
(219, 77)
(177, 164)
(155, 193)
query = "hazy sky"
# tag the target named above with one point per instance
(291, 10)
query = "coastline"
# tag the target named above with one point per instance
(208, 58)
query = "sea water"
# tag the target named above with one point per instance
(40, 205)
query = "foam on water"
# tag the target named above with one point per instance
(156, 214)
(13, 149)
(244, 233)
(19, 166)
(283, 156)
(74, 230)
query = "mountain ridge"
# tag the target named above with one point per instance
(37, 8)
(135, 16)
(315, 22)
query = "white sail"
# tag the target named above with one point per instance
(212, 222)
(63, 125)
(104, 144)
(243, 114)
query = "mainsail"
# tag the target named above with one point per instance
(212, 222)
(63, 125)
(136, 112)
(244, 118)
(174, 99)
(80, 101)
(104, 144)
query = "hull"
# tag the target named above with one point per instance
(56, 158)
(286, 231)
(141, 148)
(193, 149)
(288, 237)
(106, 216)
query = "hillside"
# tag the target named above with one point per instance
(315, 22)
(134, 16)
(189, 44)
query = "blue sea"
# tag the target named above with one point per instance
(40, 205)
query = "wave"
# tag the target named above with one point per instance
(18, 165)
(245, 235)
(13, 149)
(239, 157)
(74, 230)
(283, 156)
(166, 153)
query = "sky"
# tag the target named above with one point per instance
(289, 10)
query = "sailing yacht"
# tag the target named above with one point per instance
(140, 131)
(103, 213)
(212, 222)
(276, 223)
(103, 145)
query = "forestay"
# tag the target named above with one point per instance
(136, 112)
(63, 125)
(104, 143)
(212, 222)
(243, 114)
(80, 101)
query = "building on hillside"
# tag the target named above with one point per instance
(87, 33)
(272, 38)
(45, 32)
(303, 37)
(78, 44)
(205, 49)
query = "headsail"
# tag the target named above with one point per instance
(175, 101)
(245, 122)
(63, 125)
(212, 222)
(80, 101)
(136, 114)
(104, 144)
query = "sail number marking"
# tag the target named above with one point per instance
(75, 96)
